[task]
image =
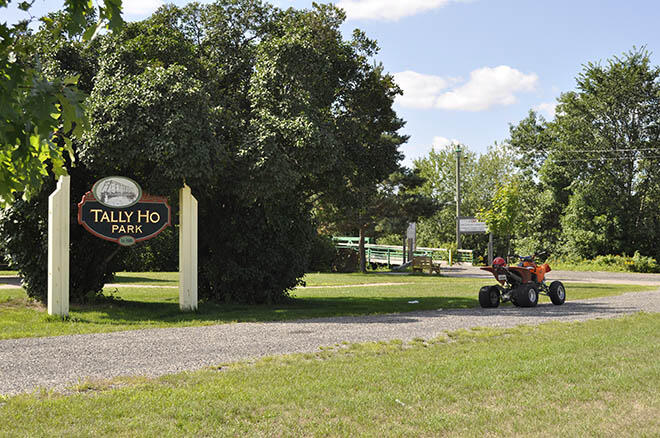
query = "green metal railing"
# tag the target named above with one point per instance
(390, 254)
(349, 240)
(465, 256)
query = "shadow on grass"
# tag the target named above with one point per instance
(126, 312)
(13, 280)
(137, 280)
(596, 286)
(380, 310)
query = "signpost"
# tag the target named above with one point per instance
(187, 249)
(411, 239)
(58, 248)
(117, 210)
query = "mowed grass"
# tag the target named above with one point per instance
(595, 378)
(146, 306)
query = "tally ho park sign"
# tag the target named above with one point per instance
(117, 210)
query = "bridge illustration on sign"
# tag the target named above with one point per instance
(113, 192)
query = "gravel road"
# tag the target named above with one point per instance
(58, 362)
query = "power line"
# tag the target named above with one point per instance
(579, 151)
(605, 159)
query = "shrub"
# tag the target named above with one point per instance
(391, 239)
(322, 254)
(642, 263)
(252, 254)
(24, 232)
(609, 262)
(346, 260)
(160, 254)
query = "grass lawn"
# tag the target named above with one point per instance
(596, 378)
(151, 307)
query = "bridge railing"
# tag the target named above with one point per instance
(393, 254)
(345, 240)
(465, 256)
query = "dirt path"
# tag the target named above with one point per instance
(58, 362)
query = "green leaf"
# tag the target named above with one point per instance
(90, 33)
(71, 80)
(35, 141)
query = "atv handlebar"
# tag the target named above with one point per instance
(534, 256)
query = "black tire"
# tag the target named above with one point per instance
(489, 296)
(527, 296)
(557, 293)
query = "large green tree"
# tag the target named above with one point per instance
(256, 108)
(356, 198)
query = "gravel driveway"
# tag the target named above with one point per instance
(58, 362)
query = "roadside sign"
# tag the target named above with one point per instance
(469, 225)
(117, 210)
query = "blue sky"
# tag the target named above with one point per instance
(469, 68)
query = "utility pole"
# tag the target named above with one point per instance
(458, 196)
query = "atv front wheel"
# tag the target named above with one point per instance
(489, 296)
(527, 296)
(557, 293)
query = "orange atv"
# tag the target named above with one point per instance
(520, 284)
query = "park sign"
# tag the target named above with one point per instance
(117, 210)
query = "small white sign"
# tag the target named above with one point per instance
(472, 225)
(411, 232)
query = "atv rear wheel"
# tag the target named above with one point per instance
(557, 293)
(489, 296)
(527, 296)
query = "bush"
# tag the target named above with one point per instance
(346, 260)
(160, 254)
(24, 233)
(609, 262)
(252, 254)
(322, 254)
(391, 239)
(645, 264)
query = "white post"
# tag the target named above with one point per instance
(187, 250)
(58, 248)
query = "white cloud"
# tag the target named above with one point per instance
(420, 91)
(548, 109)
(388, 10)
(140, 7)
(487, 87)
(442, 142)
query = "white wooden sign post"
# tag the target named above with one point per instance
(187, 249)
(58, 248)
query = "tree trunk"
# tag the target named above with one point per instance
(363, 253)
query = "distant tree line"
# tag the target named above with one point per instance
(583, 184)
